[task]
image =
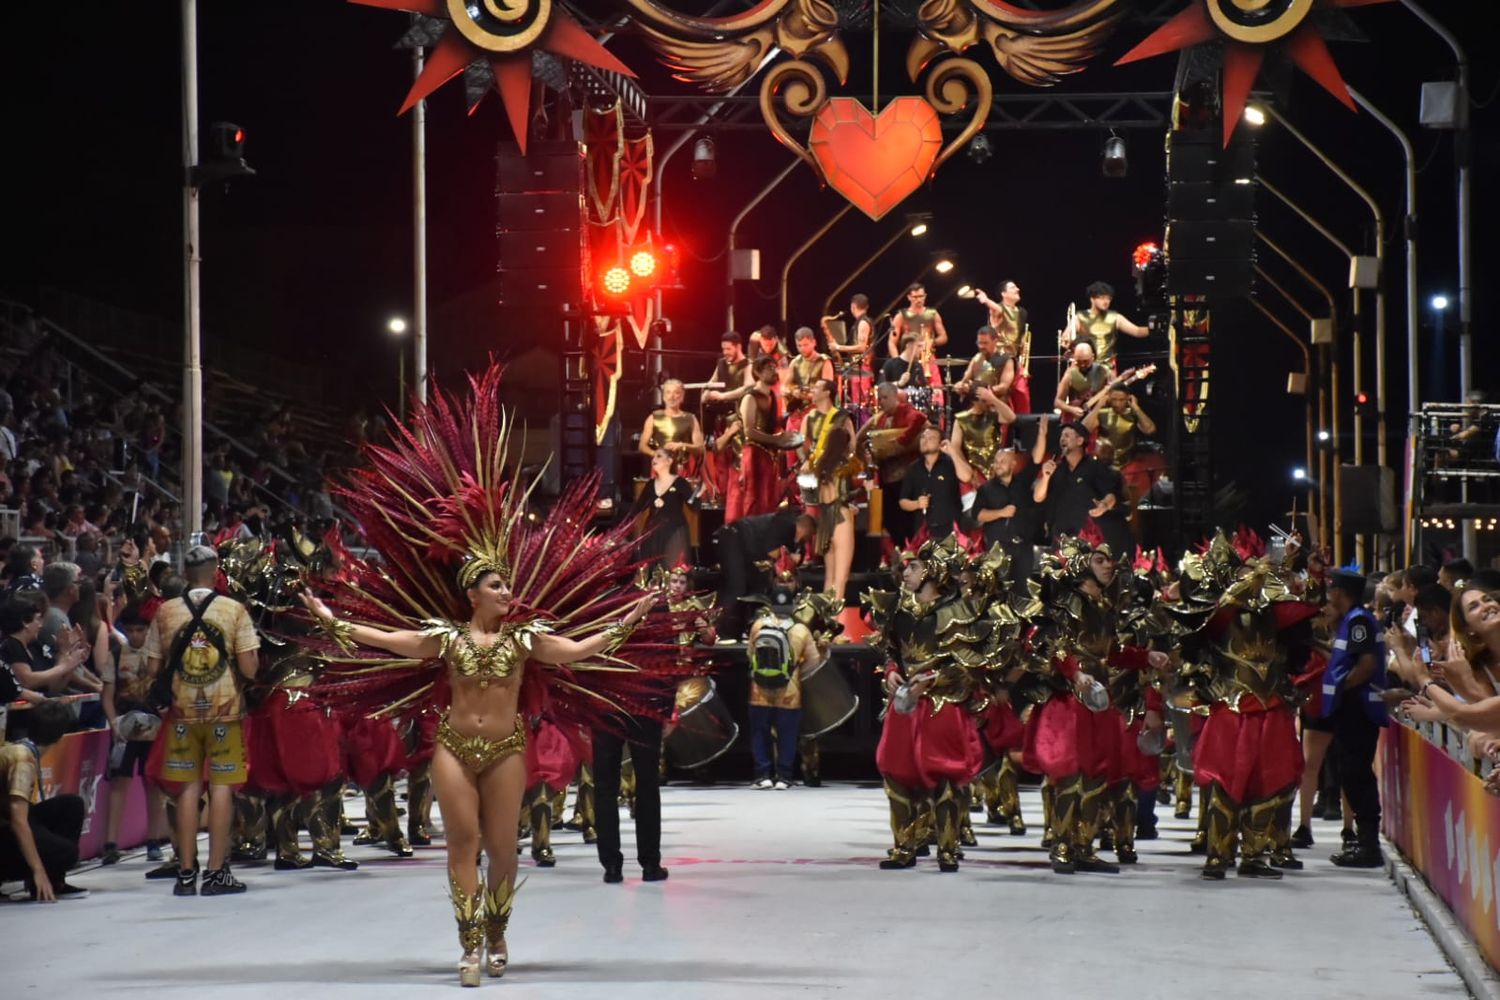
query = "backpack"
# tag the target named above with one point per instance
(199, 653)
(771, 656)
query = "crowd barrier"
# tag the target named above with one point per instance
(78, 765)
(1434, 807)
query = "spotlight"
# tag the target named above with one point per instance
(1255, 115)
(616, 281)
(1440, 302)
(920, 229)
(1299, 474)
(1324, 436)
(643, 263)
(943, 266)
(979, 148)
(705, 164)
(965, 291)
(1114, 164)
(397, 325)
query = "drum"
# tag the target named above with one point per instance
(827, 699)
(704, 728)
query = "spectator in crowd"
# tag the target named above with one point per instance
(1454, 571)
(127, 686)
(23, 568)
(1429, 643)
(39, 838)
(21, 622)
(86, 554)
(194, 645)
(60, 585)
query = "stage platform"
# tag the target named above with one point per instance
(772, 894)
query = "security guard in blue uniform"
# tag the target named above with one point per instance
(1352, 685)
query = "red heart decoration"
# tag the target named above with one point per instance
(876, 161)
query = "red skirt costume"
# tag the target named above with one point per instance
(922, 749)
(1253, 754)
(293, 745)
(755, 488)
(551, 758)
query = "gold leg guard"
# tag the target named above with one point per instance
(1091, 796)
(583, 807)
(1008, 789)
(1066, 798)
(1049, 813)
(949, 811)
(468, 911)
(627, 783)
(499, 900)
(284, 832)
(966, 836)
(324, 814)
(249, 824)
(1222, 824)
(559, 803)
(905, 809)
(384, 819)
(1184, 789)
(1126, 805)
(538, 805)
(1257, 833)
(812, 761)
(419, 803)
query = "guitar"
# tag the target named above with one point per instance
(1130, 375)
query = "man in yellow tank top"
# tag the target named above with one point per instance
(1102, 323)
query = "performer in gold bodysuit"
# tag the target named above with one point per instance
(1008, 320)
(977, 432)
(1101, 323)
(1117, 418)
(828, 456)
(992, 367)
(673, 429)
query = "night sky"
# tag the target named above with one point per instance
(309, 258)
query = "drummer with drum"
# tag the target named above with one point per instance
(889, 439)
(756, 487)
(855, 353)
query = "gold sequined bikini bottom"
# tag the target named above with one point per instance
(477, 753)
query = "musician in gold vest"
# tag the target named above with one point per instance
(807, 367)
(1007, 318)
(732, 374)
(673, 430)
(828, 459)
(755, 487)
(917, 318)
(978, 431)
(992, 367)
(1083, 379)
(1118, 419)
(1102, 324)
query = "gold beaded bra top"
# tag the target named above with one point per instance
(493, 661)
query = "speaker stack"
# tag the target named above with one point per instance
(1210, 239)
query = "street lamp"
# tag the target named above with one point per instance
(1254, 115)
(1439, 303)
(397, 327)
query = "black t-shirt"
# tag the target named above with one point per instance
(1073, 492)
(995, 495)
(763, 534)
(941, 484)
(12, 650)
(894, 368)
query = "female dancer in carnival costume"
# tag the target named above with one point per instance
(495, 612)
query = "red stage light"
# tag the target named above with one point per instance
(1362, 398)
(239, 135)
(643, 263)
(1144, 254)
(616, 281)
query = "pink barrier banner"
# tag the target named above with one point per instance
(78, 765)
(1438, 813)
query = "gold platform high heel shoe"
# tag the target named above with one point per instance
(498, 902)
(468, 911)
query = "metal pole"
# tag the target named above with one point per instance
(735, 225)
(192, 362)
(401, 378)
(1341, 174)
(815, 237)
(1331, 494)
(1409, 230)
(1307, 372)
(419, 243)
(879, 252)
(1306, 359)
(1464, 154)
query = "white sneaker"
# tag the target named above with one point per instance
(762, 783)
(780, 785)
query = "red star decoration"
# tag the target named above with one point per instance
(1242, 61)
(563, 36)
